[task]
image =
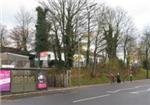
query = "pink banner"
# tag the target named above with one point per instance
(4, 80)
(42, 85)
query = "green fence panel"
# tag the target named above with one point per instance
(23, 81)
(17, 84)
(29, 83)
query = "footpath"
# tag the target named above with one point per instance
(49, 91)
(35, 93)
(43, 92)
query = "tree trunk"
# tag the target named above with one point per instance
(88, 43)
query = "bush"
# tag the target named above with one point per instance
(114, 65)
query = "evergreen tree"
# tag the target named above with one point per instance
(42, 30)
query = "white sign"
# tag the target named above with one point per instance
(8, 66)
(44, 55)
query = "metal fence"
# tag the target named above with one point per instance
(14, 80)
(21, 79)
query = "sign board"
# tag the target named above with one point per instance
(5, 80)
(8, 66)
(42, 83)
(44, 55)
(78, 58)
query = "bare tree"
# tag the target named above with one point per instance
(55, 37)
(23, 29)
(115, 21)
(3, 33)
(128, 48)
(112, 25)
(146, 47)
(128, 39)
(16, 37)
(66, 14)
(98, 39)
(90, 11)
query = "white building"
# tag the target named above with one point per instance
(11, 57)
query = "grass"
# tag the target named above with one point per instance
(141, 75)
(89, 81)
(101, 78)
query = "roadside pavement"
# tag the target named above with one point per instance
(44, 92)
(50, 91)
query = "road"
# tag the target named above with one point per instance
(135, 93)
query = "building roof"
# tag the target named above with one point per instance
(13, 50)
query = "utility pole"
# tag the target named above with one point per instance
(79, 62)
(147, 73)
(89, 16)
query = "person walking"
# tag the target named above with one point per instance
(118, 78)
(131, 77)
(112, 78)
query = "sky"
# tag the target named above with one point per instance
(139, 10)
(9, 9)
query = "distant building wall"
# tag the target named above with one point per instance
(14, 59)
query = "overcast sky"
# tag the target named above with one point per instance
(139, 10)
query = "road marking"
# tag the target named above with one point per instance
(118, 90)
(140, 91)
(148, 89)
(90, 98)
